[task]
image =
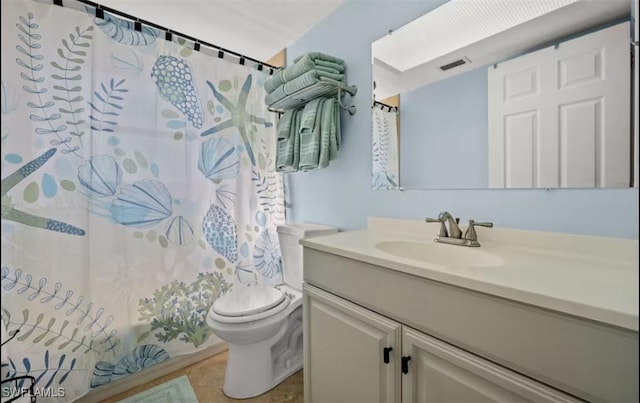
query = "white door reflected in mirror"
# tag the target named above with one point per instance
(560, 117)
(541, 102)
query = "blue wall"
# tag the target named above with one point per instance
(341, 194)
(443, 128)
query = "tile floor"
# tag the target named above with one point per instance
(206, 378)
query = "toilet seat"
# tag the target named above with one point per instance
(247, 301)
(248, 304)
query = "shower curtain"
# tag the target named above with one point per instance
(384, 147)
(138, 186)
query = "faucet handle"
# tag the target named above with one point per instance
(443, 228)
(471, 234)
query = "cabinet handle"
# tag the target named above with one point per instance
(405, 364)
(385, 353)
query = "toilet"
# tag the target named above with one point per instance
(262, 324)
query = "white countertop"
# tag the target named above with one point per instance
(588, 277)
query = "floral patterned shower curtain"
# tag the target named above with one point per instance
(137, 187)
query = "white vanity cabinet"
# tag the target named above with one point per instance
(463, 345)
(353, 354)
(439, 372)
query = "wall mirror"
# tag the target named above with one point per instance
(479, 94)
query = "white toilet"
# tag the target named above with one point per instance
(262, 325)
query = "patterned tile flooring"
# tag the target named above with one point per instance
(206, 378)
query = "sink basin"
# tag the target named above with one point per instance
(439, 254)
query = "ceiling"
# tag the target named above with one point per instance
(480, 33)
(454, 25)
(255, 28)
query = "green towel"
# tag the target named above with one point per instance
(285, 156)
(320, 56)
(287, 130)
(336, 139)
(307, 63)
(312, 110)
(309, 138)
(302, 65)
(284, 145)
(310, 134)
(274, 81)
(329, 65)
(327, 131)
(296, 141)
(277, 80)
(309, 78)
(275, 96)
(306, 80)
(284, 124)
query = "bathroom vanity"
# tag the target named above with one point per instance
(390, 315)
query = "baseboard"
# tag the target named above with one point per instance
(146, 375)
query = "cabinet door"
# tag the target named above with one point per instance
(344, 351)
(439, 372)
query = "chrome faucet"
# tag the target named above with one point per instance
(444, 218)
(454, 235)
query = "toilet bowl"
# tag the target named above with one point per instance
(262, 324)
(252, 338)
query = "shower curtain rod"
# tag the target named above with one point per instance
(170, 32)
(383, 105)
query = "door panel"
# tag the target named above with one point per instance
(580, 135)
(521, 84)
(521, 136)
(521, 123)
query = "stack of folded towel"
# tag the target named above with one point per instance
(307, 70)
(309, 137)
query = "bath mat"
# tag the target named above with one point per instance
(173, 391)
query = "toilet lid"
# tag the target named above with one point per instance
(245, 301)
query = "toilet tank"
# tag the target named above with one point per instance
(289, 237)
